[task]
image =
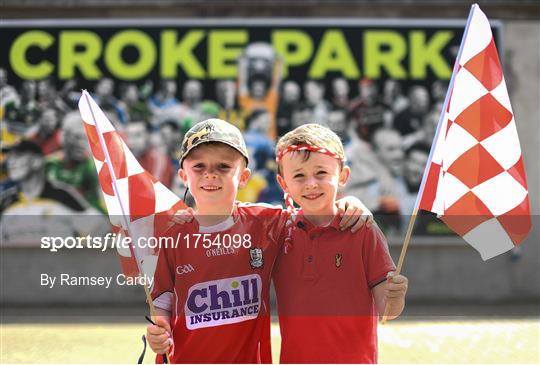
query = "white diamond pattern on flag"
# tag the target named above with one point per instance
(164, 197)
(124, 251)
(489, 238)
(438, 203)
(438, 153)
(500, 93)
(98, 163)
(133, 166)
(88, 117)
(458, 141)
(492, 170)
(452, 190)
(479, 36)
(460, 101)
(501, 193)
(142, 229)
(114, 210)
(500, 146)
(123, 194)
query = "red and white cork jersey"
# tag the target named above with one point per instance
(216, 284)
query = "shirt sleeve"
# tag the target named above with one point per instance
(278, 231)
(270, 219)
(163, 285)
(377, 260)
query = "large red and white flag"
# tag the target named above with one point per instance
(476, 179)
(134, 198)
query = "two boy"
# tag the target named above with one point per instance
(227, 318)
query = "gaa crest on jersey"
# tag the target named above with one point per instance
(256, 256)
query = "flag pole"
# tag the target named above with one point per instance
(414, 214)
(126, 222)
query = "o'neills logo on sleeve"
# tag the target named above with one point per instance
(225, 301)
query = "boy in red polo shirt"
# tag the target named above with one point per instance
(330, 285)
(211, 289)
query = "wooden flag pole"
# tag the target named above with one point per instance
(426, 170)
(407, 239)
(402, 255)
(126, 222)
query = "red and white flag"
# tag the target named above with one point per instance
(134, 198)
(476, 179)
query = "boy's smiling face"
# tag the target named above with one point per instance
(214, 172)
(313, 183)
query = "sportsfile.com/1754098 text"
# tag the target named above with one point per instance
(117, 241)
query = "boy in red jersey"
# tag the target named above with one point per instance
(330, 285)
(211, 291)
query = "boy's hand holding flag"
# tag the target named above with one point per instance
(134, 198)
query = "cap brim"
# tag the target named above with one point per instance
(228, 143)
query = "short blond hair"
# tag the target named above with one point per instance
(313, 135)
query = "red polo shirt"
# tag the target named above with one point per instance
(323, 284)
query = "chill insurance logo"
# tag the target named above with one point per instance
(224, 301)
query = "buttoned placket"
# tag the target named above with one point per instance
(310, 254)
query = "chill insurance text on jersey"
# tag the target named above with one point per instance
(232, 299)
(239, 270)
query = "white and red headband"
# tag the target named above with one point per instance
(289, 203)
(306, 147)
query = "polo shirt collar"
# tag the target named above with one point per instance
(303, 223)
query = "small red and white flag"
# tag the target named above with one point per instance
(134, 198)
(475, 180)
